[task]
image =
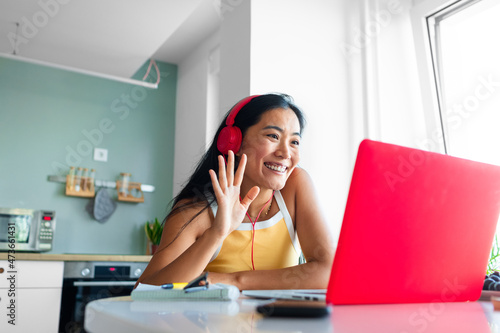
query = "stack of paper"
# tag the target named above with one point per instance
(214, 292)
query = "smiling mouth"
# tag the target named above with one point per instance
(276, 167)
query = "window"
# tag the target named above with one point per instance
(466, 64)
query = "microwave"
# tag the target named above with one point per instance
(26, 230)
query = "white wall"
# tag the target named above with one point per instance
(192, 105)
(235, 52)
(402, 120)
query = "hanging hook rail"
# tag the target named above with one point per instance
(99, 183)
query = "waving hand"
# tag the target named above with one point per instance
(231, 210)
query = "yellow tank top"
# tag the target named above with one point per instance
(275, 244)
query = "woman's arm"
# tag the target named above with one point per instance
(314, 240)
(183, 258)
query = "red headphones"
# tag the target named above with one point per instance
(230, 136)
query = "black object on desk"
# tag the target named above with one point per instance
(306, 309)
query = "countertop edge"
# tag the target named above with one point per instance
(75, 257)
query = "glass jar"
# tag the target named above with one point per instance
(125, 179)
(90, 183)
(71, 177)
(85, 179)
(78, 179)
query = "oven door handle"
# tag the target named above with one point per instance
(103, 283)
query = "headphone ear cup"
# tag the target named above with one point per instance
(229, 139)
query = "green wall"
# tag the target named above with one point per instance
(51, 119)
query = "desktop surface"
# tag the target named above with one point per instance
(121, 314)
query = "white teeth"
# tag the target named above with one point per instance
(276, 168)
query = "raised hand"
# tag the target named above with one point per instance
(231, 210)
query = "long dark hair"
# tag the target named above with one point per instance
(198, 188)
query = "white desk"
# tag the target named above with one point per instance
(123, 315)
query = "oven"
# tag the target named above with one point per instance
(85, 281)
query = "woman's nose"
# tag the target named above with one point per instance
(283, 151)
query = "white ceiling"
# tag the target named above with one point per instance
(114, 37)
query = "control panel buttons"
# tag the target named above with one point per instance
(85, 272)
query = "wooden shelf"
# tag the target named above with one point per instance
(134, 192)
(86, 186)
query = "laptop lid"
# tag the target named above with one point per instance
(418, 227)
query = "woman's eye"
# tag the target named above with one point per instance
(295, 142)
(274, 136)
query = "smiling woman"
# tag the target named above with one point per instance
(242, 224)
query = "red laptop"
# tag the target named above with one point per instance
(418, 227)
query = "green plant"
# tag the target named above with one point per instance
(494, 257)
(153, 231)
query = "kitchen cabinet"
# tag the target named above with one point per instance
(39, 287)
(30, 296)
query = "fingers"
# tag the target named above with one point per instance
(251, 195)
(238, 177)
(226, 176)
(230, 167)
(222, 173)
(215, 183)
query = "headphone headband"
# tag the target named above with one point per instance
(237, 108)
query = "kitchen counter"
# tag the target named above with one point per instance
(76, 257)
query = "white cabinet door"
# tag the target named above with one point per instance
(32, 274)
(34, 310)
(30, 295)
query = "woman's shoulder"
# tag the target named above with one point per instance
(298, 177)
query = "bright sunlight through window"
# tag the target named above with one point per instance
(467, 54)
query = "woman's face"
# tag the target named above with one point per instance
(272, 148)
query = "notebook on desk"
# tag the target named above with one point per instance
(418, 227)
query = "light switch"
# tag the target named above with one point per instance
(100, 154)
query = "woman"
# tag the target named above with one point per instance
(241, 223)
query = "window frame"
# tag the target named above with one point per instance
(425, 16)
